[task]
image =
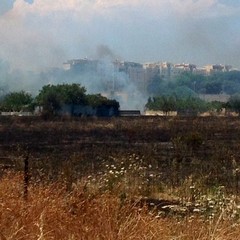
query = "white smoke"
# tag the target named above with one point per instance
(44, 34)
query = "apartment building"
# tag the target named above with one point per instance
(161, 69)
(210, 69)
(178, 69)
(200, 71)
(165, 70)
(111, 73)
(81, 65)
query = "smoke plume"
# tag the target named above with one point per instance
(39, 35)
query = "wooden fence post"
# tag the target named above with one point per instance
(26, 176)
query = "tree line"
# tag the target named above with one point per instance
(181, 94)
(190, 83)
(51, 99)
(191, 105)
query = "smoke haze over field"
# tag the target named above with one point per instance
(39, 34)
(43, 33)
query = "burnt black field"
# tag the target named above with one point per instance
(175, 148)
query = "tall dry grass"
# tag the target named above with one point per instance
(195, 160)
(51, 212)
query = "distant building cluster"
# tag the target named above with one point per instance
(142, 74)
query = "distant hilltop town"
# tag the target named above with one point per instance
(142, 74)
(166, 70)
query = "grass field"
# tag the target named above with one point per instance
(120, 178)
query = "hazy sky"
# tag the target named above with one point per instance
(41, 33)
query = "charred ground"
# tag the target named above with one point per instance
(174, 148)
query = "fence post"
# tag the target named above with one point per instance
(26, 176)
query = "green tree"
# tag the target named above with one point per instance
(190, 81)
(234, 103)
(188, 105)
(103, 105)
(16, 101)
(52, 97)
(169, 104)
(156, 86)
(231, 82)
(183, 92)
(184, 79)
(191, 105)
(72, 93)
(49, 98)
(162, 103)
(214, 87)
(96, 100)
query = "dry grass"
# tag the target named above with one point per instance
(84, 171)
(53, 213)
